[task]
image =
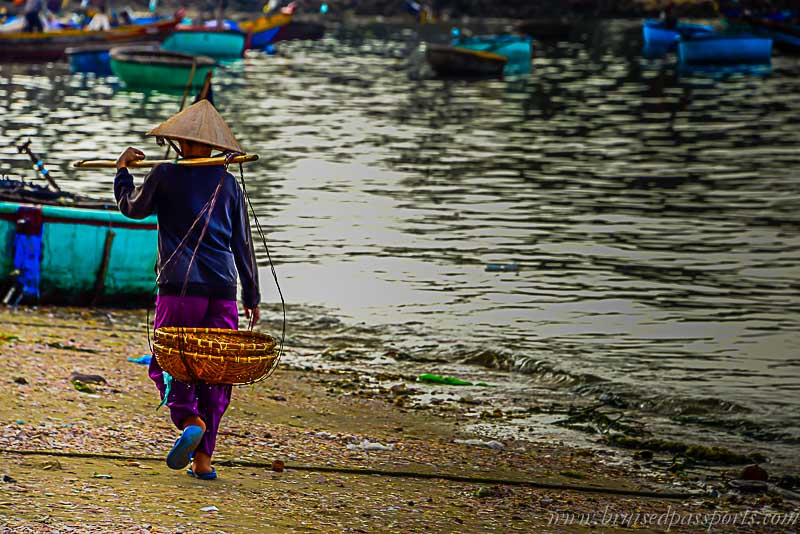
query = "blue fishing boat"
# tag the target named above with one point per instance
(516, 50)
(264, 38)
(264, 30)
(145, 20)
(657, 35)
(90, 59)
(725, 49)
(96, 58)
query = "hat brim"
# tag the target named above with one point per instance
(197, 140)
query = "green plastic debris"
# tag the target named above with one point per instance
(447, 380)
(80, 386)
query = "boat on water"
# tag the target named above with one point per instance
(152, 68)
(453, 61)
(96, 58)
(657, 34)
(265, 29)
(43, 230)
(516, 50)
(721, 49)
(52, 45)
(221, 43)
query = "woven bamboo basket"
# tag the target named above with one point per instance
(215, 355)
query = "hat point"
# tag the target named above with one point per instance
(201, 123)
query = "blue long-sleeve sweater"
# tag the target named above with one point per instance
(177, 194)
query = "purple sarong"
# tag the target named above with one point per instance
(209, 401)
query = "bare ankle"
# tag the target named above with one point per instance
(201, 462)
(194, 420)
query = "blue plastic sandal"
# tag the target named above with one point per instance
(205, 476)
(181, 453)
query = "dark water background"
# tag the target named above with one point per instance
(654, 215)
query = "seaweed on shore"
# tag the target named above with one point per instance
(750, 429)
(591, 419)
(631, 436)
(694, 452)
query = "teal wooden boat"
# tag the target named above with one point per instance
(204, 41)
(81, 253)
(149, 68)
(452, 61)
(517, 50)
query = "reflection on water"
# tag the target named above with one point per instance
(653, 213)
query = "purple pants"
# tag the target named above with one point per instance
(209, 401)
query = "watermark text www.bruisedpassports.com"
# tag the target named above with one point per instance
(674, 519)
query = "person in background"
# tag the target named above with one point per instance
(125, 18)
(33, 22)
(100, 22)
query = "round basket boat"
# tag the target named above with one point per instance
(152, 68)
(215, 355)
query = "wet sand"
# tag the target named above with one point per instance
(93, 460)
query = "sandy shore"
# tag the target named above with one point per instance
(92, 460)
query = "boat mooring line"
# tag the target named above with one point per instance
(381, 472)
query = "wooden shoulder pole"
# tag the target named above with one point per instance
(192, 162)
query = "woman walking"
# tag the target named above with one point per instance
(199, 256)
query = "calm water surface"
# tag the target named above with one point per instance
(654, 214)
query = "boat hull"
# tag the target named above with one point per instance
(264, 38)
(517, 50)
(656, 35)
(451, 61)
(725, 49)
(51, 46)
(203, 41)
(116, 260)
(264, 30)
(148, 68)
(90, 61)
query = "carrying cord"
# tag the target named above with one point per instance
(272, 268)
(208, 208)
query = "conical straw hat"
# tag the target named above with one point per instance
(199, 122)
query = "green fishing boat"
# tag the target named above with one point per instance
(62, 249)
(205, 41)
(151, 68)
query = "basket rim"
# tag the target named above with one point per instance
(176, 330)
(237, 340)
(172, 351)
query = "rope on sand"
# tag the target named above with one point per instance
(381, 472)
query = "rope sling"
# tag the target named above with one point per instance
(216, 355)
